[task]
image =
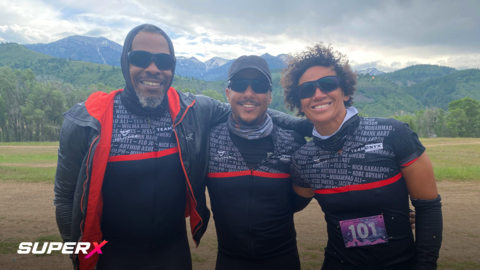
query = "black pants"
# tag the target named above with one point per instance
(287, 261)
(175, 256)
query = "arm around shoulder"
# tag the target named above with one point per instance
(286, 121)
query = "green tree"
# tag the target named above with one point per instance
(213, 94)
(457, 123)
(471, 108)
(411, 120)
(188, 90)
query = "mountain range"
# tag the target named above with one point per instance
(100, 50)
(403, 91)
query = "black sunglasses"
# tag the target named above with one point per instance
(142, 59)
(327, 84)
(258, 86)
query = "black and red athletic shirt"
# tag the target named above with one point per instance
(144, 190)
(364, 180)
(252, 206)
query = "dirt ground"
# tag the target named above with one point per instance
(27, 212)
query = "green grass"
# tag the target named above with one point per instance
(28, 144)
(459, 265)
(458, 161)
(197, 258)
(312, 265)
(457, 173)
(9, 246)
(28, 174)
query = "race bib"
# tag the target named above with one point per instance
(365, 231)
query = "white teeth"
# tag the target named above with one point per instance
(151, 83)
(321, 106)
(248, 105)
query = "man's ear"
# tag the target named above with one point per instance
(227, 93)
(270, 97)
(345, 98)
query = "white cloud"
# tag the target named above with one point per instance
(387, 34)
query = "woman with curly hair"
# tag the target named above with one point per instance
(362, 171)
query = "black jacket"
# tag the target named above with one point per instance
(85, 141)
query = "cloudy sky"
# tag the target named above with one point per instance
(388, 35)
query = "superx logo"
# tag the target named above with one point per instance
(65, 248)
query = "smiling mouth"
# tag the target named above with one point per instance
(322, 106)
(151, 83)
(248, 105)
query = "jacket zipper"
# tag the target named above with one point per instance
(81, 201)
(189, 187)
(152, 220)
(250, 209)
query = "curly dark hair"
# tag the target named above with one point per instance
(318, 55)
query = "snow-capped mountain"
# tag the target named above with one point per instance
(215, 62)
(371, 71)
(91, 49)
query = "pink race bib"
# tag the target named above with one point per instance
(365, 231)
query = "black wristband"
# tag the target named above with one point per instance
(428, 232)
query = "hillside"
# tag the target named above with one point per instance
(80, 73)
(438, 92)
(417, 74)
(382, 96)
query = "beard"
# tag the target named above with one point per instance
(150, 102)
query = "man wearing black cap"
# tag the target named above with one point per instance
(249, 177)
(131, 164)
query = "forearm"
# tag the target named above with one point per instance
(286, 121)
(299, 202)
(428, 232)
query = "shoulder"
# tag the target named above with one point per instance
(377, 121)
(304, 151)
(216, 129)
(290, 135)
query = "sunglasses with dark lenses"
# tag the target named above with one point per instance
(326, 84)
(258, 86)
(142, 59)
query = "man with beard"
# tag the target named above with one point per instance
(131, 164)
(249, 177)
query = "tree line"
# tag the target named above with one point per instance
(462, 119)
(31, 109)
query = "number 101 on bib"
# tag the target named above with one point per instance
(365, 231)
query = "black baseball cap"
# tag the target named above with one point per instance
(250, 61)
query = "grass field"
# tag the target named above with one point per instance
(453, 159)
(27, 173)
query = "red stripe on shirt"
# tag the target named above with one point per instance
(144, 155)
(360, 186)
(244, 173)
(409, 163)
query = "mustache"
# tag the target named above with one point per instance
(248, 101)
(152, 77)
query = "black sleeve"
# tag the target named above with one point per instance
(298, 202)
(219, 111)
(406, 145)
(286, 121)
(428, 232)
(71, 153)
(296, 176)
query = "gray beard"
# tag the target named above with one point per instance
(150, 102)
